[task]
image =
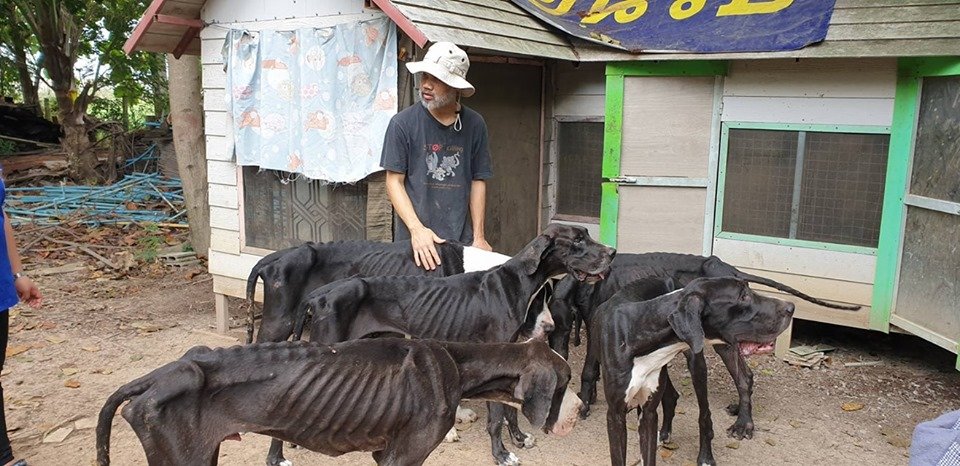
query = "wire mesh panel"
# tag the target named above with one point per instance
(580, 147)
(841, 195)
(815, 186)
(759, 182)
(279, 214)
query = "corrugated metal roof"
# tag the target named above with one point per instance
(496, 25)
(858, 28)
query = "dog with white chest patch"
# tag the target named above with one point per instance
(635, 341)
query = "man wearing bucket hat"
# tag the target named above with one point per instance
(437, 158)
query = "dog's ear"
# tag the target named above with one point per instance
(533, 253)
(685, 321)
(536, 388)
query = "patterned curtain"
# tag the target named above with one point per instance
(313, 101)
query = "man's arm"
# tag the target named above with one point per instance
(422, 238)
(478, 203)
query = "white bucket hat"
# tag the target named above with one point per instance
(448, 63)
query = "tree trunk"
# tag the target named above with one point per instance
(186, 114)
(31, 97)
(76, 140)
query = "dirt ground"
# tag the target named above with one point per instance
(100, 330)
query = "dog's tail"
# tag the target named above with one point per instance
(105, 421)
(251, 290)
(255, 273)
(786, 289)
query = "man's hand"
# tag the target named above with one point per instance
(424, 251)
(28, 291)
(481, 243)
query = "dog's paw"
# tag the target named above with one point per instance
(741, 430)
(528, 441)
(452, 436)
(664, 437)
(584, 411)
(510, 460)
(465, 415)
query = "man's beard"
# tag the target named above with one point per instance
(439, 100)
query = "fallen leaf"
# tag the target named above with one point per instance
(733, 445)
(193, 273)
(136, 357)
(14, 350)
(47, 325)
(131, 206)
(102, 371)
(681, 411)
(795, 424)
(670, 445)
(85, 423)
(770, 441)
(91, 349)
(58, 435)
(68, 371)
(72, 383)
(851, 406)
(666, 454)
(56, 340)
(766, 372)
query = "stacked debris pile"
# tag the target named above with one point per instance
(137, 198)
(23, 124)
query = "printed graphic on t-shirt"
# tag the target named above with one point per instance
(441, 166)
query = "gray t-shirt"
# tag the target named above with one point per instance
(440, 163)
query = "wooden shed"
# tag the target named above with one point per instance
(834, 169)
(537, 97)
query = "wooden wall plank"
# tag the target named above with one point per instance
(801, 110)
(846, 266)
(225, 241)
(221, 172)
(655, 219)
(667, 123)
(812, 78)
(224, 218)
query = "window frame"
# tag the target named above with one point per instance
(725, 128)
(555, 171)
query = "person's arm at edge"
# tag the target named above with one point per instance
(422, 239)
(26, 289)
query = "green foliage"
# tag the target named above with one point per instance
(150, 243)
(7, 147)
(104, 27)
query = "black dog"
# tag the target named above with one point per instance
(635, 340)
(289, 274)
(486, 306)
(574, 302)
(396, 398)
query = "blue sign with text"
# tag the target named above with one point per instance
(690, 25)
